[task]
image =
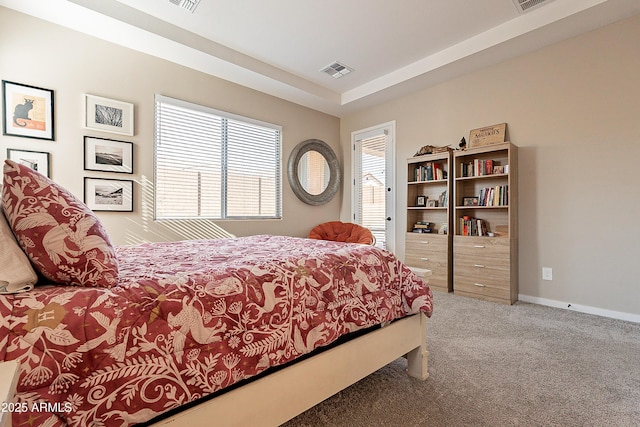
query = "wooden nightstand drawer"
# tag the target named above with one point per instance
(493, 247)
(418, 242)
(429, 251)
(493, 290)
(495, 275)
(483, 276)
(426, 258)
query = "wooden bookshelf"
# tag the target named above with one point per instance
(485, 222)
(429, 189)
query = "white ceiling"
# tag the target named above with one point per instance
(280, 46)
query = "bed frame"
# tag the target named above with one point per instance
(284, 394)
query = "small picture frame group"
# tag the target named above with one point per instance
(108, 115)
(432, 203)
(36, 160)
(27, 111)
(101, 194)
(108, 155)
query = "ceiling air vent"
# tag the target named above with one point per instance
(526, 5)
(189, 5)
(337, 70)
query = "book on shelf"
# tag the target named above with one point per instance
(470, 226)
(480, 167)
(494, 196)
(429, 171)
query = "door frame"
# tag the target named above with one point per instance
(390, 175)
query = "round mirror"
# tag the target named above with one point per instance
(314, 172)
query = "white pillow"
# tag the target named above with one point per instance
(16, 272)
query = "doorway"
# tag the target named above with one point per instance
(373, 204)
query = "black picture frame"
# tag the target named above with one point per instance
(27, 111)
(108, 195)
(108, 155)
(39, 161)
(421, 201)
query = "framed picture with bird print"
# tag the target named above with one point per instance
(27, 111)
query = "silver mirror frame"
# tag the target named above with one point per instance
(334, 169)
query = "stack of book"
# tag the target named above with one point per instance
(422, 227)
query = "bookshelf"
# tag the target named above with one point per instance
(485, 222)
(429, 240)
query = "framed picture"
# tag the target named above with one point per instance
(36, 160)
(108, 194)
(108, 115)
(421, 201)
(432, 203)
(443, 228)
(469, 201)
(108, 155)
(27, 111)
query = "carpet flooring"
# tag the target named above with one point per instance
(499, 365)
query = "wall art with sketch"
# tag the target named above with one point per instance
(108, 115)
(102, 194)
(108, 155)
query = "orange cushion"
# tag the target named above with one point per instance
(339, 231)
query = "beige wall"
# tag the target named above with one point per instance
(574, 111)
(572, 108)
(41, 54)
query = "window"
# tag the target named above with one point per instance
(215, 165)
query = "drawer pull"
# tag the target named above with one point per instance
(424, 259)
(479, 246)
(479, 265)
(480, 285)
(426, 242)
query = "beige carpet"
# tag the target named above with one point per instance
(497, 365)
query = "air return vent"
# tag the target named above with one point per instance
(189, 5)
(526, 5)
(337, 70)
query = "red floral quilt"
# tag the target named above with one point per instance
(190, 318)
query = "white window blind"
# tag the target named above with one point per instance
(216, 165)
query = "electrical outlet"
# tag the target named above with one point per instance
(547, 273)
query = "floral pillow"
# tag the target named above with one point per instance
(62, 237)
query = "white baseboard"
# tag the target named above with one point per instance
(629, 317)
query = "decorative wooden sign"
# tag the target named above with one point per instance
(489, 135)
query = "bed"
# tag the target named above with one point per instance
(186, 332)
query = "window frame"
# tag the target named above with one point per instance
(224, 115)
